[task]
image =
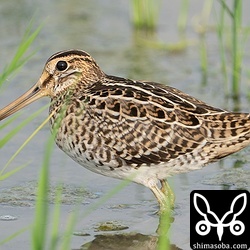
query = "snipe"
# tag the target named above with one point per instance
(139, 130)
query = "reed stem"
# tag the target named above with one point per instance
(237, 55)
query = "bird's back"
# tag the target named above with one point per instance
(123, 123)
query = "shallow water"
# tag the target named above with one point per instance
(103, 29)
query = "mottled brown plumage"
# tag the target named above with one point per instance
(143, 131)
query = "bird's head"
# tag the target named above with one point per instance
(63, 71)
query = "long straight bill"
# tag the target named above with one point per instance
(30, 96)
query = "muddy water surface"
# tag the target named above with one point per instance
(103, 29)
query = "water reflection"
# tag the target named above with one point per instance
(103, 29)
(133, 241)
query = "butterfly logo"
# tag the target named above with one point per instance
(203, 227)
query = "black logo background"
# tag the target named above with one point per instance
(220, 202)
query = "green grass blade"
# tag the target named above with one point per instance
(56, 219)
(220, 33)
(12, 236)
(237, 51)
(145, 13)
(8, 174)
(224, 5)
(19, 60)
(106, 197)
(15, 130)
(163, 231)
(26, 142)
(41, 216)
(7, 123)
(69, 231)
(182, 19)
(40, 222)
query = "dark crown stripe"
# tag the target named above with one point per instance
(67, 53)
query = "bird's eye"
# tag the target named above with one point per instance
(61, 65)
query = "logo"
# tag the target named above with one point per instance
(219, 219)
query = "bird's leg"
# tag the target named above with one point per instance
(164, 196)
(160, 197)
(167, 191)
